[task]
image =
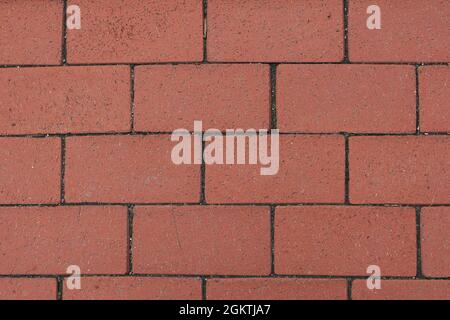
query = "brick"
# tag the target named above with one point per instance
(311, 169)
(202, 240)
(137, 31)
(339, 240)
(435, 241)
(222, 96)
(410, 170)
(410, 31)
(346, 98)
(65, 100)
(47, 240)
(403, 290)
(135, 288)
(30, 170)
(27, 289)
(127, 169)
(434, 94)
(264, 30)
(31, 32)
(276, 289)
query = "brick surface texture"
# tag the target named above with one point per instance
(87, 171)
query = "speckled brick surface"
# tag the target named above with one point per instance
(88, 180)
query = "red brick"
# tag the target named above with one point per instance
(222, 96)
(30, 170)
(47, 240)
(27, 289)
(346, 98)
(135, 288)
(137, 31)
(435, 235)
(322, 240)
(264, 30)
(410, 31)
(202, 240)
(31, 32)
(63, 100)
(311, 169)
(411, 170)
(403, 290)
(127, 169)
(434, 93)
(276, 289)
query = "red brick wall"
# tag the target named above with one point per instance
(86, 177)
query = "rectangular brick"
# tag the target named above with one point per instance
(202, 240)
(135, 288)
(435, 241)
(346, 98)
(137, 31)
(410, 31)
(127, 169)
(47, 240)
(222, 96)
(403, 290)
(65, 100)
(311, 169)
(27, 289)
(30, 170)
(264, 30)
(339, 240)
(410, 170)
(434, 93)
(276, 289)
(31, 32)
